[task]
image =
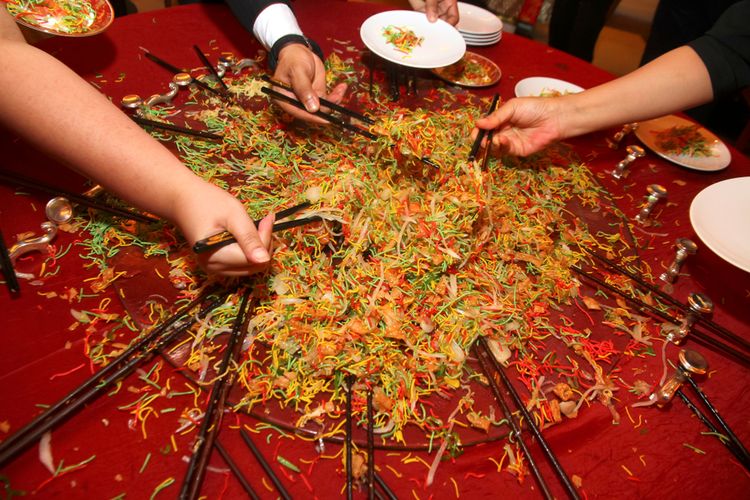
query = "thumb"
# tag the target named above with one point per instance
(301, 82)
(249, 239)
(499, 117)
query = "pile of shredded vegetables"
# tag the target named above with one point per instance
(410, 266)
(63, 16)
(403, 39)
(684, 140)
(469, 71)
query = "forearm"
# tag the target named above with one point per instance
(60, 113)
(676, 81)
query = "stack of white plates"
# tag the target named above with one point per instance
(478, 26)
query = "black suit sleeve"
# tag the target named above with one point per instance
(725, 50)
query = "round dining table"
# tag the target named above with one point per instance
(100, 452)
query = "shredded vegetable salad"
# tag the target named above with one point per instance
(64, 16)
(402, 38)
(409, 267)
(684, 140)
(470, 72)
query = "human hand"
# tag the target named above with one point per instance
(299, 67)
(447, 10)
(204, 210)
(525, 125)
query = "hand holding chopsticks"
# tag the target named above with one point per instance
(325, 102)
(483, 133)
(336, 120)
(225, 238)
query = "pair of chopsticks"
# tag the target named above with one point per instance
(732, 442)
(6, 267)
(482, 134)
(700, 337)
(145, 122)
(732, 346)
(141, 351)
(76, 198)
(211, 423)
(492, 368)
(174, 69)
(718, 329)
(225, 238)
(329, 117)
(373, 478)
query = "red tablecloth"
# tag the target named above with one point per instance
(645, 457)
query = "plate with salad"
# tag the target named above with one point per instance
(472, 70)
(685, 143)
(72, 18)
(406, 37)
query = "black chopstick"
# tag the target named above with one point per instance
(337, 107)
(508, 414)
(698, 336)
(321, 114)
(211, 423)
(210, 67)
(348, 441)
(225, 238)
(176, 128)
(551, 457)
(174, 69)
(486, 154)
(265, 465)
(370, 448)
(236, 471)
(727, 430)
(120, 367)
(76, 198)
(482, 132)
(6, 266)
(734, 446)
(718, 329)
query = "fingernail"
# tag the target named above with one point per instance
(310, 104)
(260, 255)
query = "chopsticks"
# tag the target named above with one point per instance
(486, 359)
(174, 69)
(732, 443)
(6, 266)
(718, 329)
(325, 102)
(321, 114)
(370, 448)
(210, 67)
(211, 423)
(348, 440)
(329, 117)
(698, 336)
(265, 465)
(483, 132)
(120, 367)
(76, 198)
(176, 128)
(236, 471)
(225, 238)
(508, 414)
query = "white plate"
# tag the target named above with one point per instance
(476, 20)
(537, 86)
(442, 44)
(482, 43)
(718, 159)
(720, 215)
(496, 36)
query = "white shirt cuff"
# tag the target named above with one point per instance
(275, 21)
